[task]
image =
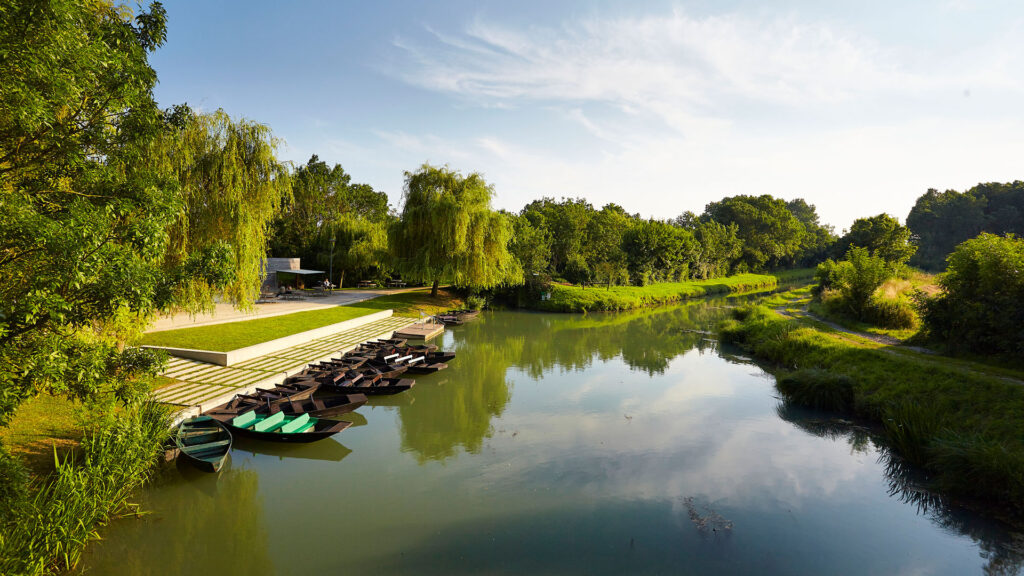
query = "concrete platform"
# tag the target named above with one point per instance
(420, 331)
(201, 385)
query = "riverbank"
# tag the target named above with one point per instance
(616, 298)
(961, 423)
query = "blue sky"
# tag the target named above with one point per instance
(658, 106)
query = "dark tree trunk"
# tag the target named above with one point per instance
(433, 291)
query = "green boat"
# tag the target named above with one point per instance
(281, 427)
(204, 442)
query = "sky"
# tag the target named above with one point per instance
(660, 107)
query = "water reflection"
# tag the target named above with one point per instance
(1002, 549)
(191, 534)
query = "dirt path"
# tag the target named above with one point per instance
(895, 346)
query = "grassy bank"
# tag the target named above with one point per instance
(961, 424)
(595, 298)
(47, 518)
(235, 335)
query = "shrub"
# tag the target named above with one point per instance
(856, 278)
(896, 314)
(981, 309)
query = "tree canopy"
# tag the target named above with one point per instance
(939, 221)
(448, 232)
(883, 236)
(771, 234)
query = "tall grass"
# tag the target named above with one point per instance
(48, 532)
(965, 428)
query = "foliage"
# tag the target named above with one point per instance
(856, 278)
(936, 413)
(82, 219)
(981, 308)
(771, 234)
(231, 185)
(530, 245)
(359, 246)
(942, 220)
(448, 232)
(883, 236)
(322, 196)
(658, 251)
(575, 299)
(717, 246)
(818, 238)
(51, 528)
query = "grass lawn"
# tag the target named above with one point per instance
(40, 424)
(235, 335)
(593, 298)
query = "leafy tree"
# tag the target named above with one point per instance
(605, 231)
(231, 185)
(566, 224)
(360, 245)
(771, 234)
(322, 195)
(717, 246)
(940, 221)
(981, 307)
(530, 245)
(883, 235)
(817, 240)
(448, 232)
(82, 221)
(657, 251)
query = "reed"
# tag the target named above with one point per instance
(48, 533)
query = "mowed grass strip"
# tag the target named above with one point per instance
(593, 298)
(235, 335)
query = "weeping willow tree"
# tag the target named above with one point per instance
(448, 233)
(231, 186)
(360, 244)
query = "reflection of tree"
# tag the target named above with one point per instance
(458, 413)
(196, 532)
(1003, 550)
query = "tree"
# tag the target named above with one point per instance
(717, 246)
(981, 307)
(817, 240)
(360, 244)
(448, 232)
(322, 195)
(604, 253)
(83, 223)
(883, 236)
(530, 245)
(939, 221)
(566, 225)
(658, 251)
(771, 234)
(231, 186)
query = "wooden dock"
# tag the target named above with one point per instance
(420, 331)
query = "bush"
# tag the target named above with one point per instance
(981, 309)
(896, 314)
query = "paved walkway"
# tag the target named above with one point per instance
(224, 313)
(202, 384)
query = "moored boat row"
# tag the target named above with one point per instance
(303, 408)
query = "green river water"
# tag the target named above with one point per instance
(565, 444)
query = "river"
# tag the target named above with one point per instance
(624, 443)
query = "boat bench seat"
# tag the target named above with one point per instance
(312, 422)
(295, 424)
(245, 420)
(270, 423)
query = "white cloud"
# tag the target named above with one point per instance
(682, 110)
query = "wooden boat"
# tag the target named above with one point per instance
(379, 387)
(419, 366)
(319, 407)
(457, 317)
(204, 442)
(281, 427)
